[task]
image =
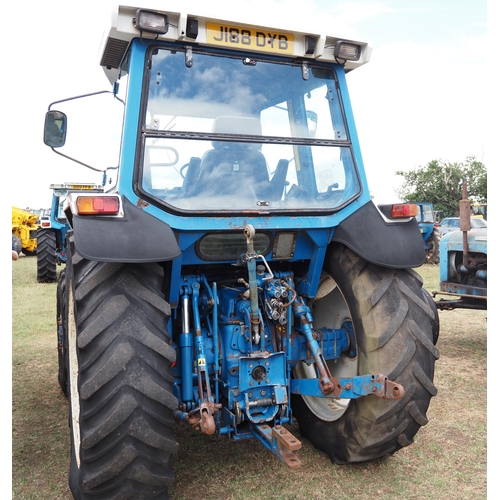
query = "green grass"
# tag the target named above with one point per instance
(40, 439)
(447, 460)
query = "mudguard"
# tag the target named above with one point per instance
(396, 245)
(137, 237)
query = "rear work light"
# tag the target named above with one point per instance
(151, 22)
(98, 205)
(347, 51)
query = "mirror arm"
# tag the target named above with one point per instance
(80, 96)
(77, 161)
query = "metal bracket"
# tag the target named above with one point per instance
(281, 442)
(350, 388)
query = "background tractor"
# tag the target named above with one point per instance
(480, 210)
(236, 276)
(463, 266)
(427, 223)
(51, 234)
(24, 229)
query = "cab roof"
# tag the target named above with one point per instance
(202, 30)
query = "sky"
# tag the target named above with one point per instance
(423, 95)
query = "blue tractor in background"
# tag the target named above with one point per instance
(464, 264)
(426, 217)
(235, 276)
(51, 235)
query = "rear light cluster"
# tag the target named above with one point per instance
(399, 210)
(98, 205)
(404, 210)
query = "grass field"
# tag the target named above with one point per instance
(446, 461)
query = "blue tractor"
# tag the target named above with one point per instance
(426, 218)
(51, 235)
(463, 269)
(237, 278)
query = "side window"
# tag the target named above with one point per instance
(60, 208)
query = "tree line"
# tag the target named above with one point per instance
(441, 183)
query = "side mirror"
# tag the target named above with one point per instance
(54, 132)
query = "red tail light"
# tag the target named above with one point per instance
(404, 210)
(98, 205)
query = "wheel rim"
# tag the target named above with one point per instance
(329, 310)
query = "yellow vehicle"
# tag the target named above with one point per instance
(479, 210)
(24, 228)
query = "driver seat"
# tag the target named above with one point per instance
(234, 167)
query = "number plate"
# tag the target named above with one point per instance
(250, 38)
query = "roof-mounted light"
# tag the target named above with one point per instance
(150, 21)
(347, 51)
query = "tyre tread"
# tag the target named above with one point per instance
(125, 381)
(397, 324)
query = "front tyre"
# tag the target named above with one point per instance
(120, 380)
(394, 325)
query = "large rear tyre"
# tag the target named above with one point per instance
(120, 380)
(46, 247)
(394, 325)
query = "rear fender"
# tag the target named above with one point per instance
(385, 243)
(136, 237)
